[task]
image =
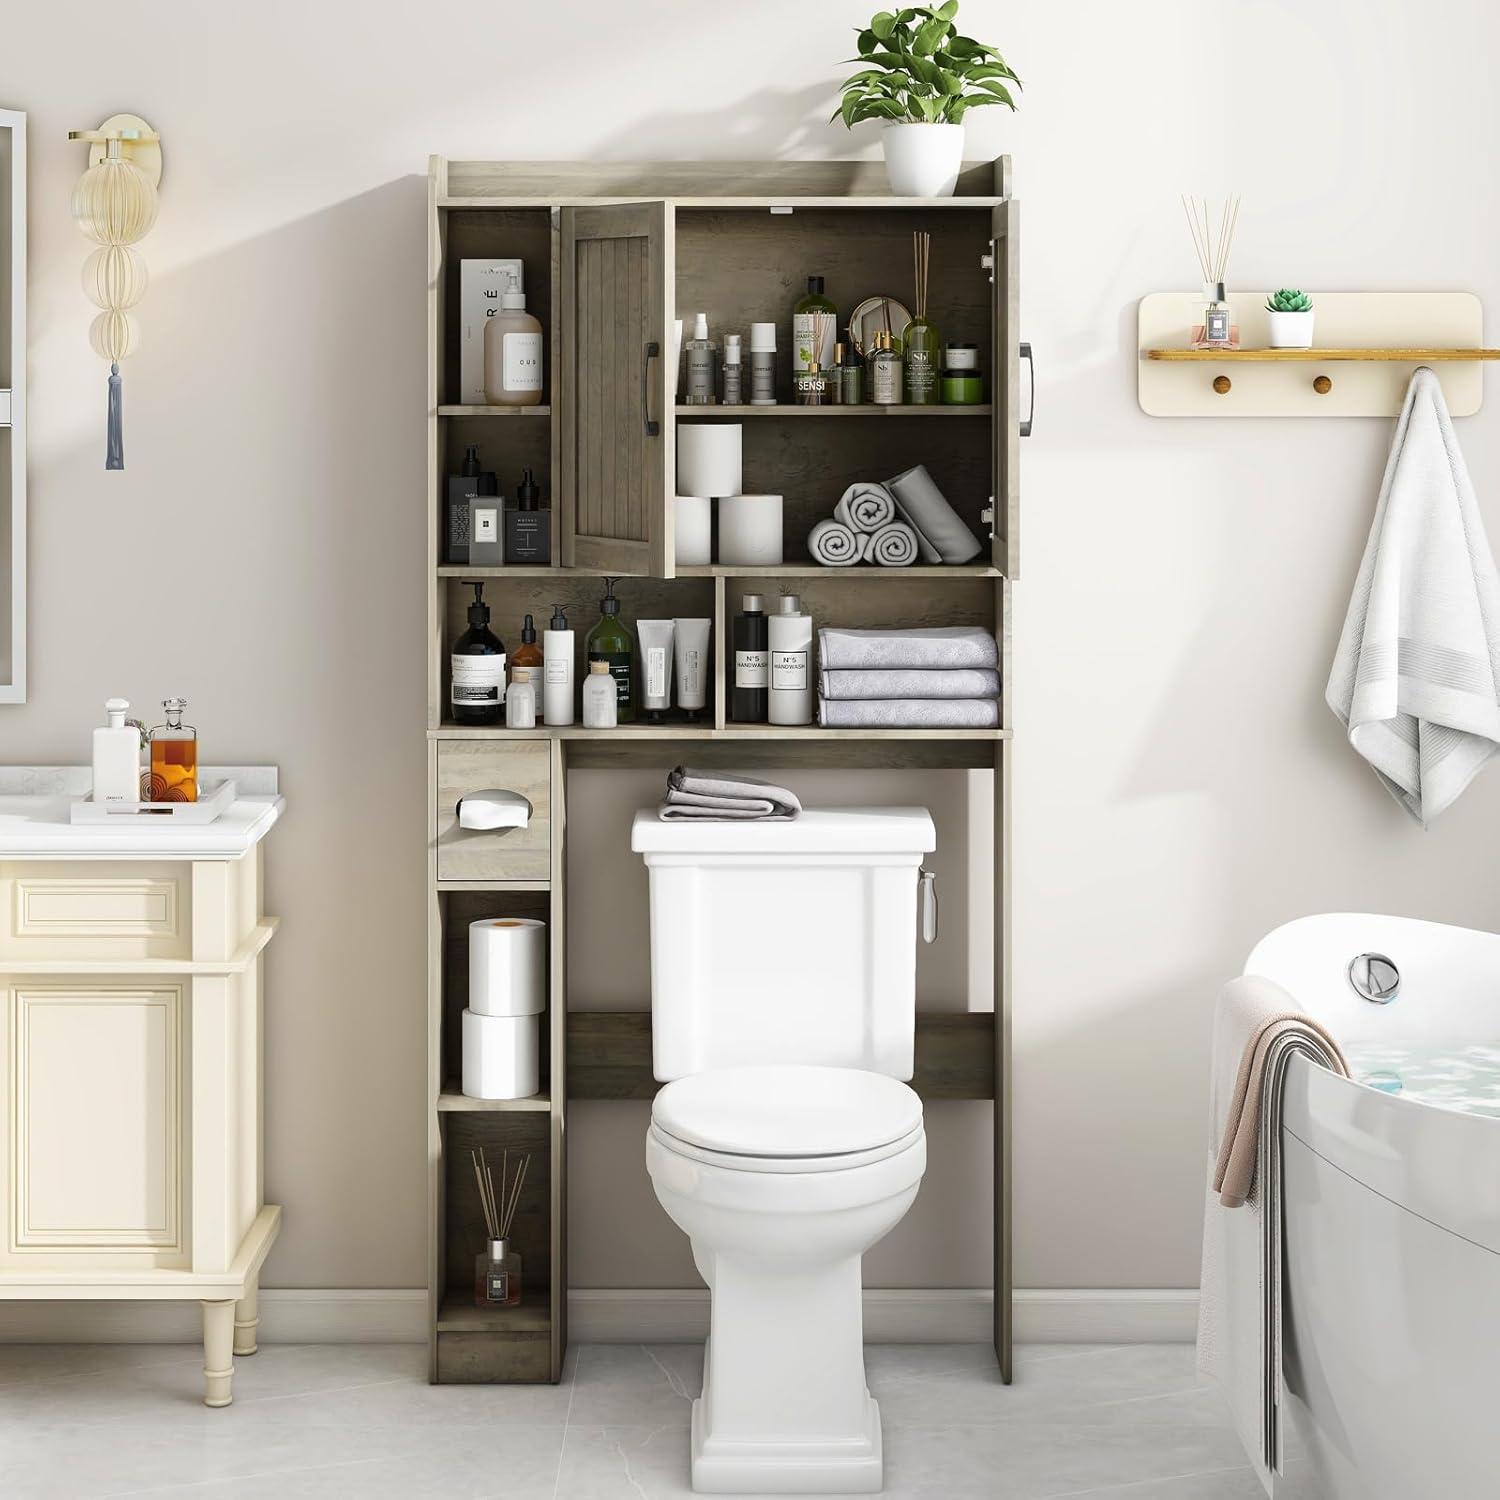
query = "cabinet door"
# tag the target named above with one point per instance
(615, 388)
(1006, 547)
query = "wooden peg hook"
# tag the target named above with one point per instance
(1322, 385)
(1221, 384)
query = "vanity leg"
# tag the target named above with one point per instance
(246, 1317)
(218, 1352)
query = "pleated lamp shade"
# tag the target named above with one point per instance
(114, 202)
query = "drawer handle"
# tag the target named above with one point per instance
(493, 809)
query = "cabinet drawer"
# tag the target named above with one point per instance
(56, 910)
(465, 766)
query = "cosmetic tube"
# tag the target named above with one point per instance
(655, 637)
(691, 650)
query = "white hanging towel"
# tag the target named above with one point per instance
(1416, 679)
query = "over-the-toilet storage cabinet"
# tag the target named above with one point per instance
(613, 252)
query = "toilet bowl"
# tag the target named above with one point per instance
(782, 1177)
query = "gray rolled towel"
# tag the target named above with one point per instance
(865, 506)
(913, 682)
(909, 713)
(835, 545)
(941, 532)
(893, 546)
(703, 794)
(948, 648)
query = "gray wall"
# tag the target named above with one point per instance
(1180, 788)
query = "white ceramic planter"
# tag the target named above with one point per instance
(1291, 330)
(922, 161)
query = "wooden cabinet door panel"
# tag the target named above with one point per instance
(1006, 553)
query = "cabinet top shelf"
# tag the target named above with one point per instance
(1321, 356)
(865, 409)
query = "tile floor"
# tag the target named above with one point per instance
(360, 1421)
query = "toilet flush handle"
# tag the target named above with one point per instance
(929, 901)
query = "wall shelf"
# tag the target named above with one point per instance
(494, 411)
(1369, 345)
(453, 1099)
(864, 409)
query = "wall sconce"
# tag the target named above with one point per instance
(115, 204)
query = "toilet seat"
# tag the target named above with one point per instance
(787, 1119)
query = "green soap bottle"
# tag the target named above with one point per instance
(611, 641)
(812, 341)
(923, 363)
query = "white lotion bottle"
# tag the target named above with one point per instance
(601, 697)
(117, 756)
(789, 641)
(512, 354)
(557, 670)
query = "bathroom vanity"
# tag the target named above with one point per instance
(131, 968)
(613, 252)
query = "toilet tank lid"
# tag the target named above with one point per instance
(830, 830)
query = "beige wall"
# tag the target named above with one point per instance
(1180, 787)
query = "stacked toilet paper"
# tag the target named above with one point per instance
(709, 468)
(507, 995)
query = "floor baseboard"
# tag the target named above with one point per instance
(623, 1315)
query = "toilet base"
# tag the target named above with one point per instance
(851, 1466)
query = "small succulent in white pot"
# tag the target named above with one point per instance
(921, 77)
(1290, 320)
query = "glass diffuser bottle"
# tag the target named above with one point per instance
(174, 756)
(497, 1268)
(923, 345)
(497, 1276)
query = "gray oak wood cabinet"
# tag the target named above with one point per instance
(614, 252)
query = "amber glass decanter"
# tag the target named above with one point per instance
(174, 756)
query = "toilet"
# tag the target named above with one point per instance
(784, 1142)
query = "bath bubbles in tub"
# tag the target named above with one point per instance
(1448, 1075)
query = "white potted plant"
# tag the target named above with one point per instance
(921, 77)
(1291, 319)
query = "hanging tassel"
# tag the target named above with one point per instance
(114, 446)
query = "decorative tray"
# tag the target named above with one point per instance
(213, 800)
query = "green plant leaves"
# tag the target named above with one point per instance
(883, 23)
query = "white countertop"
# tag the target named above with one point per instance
(34, 804)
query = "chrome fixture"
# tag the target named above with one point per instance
(1374, 977)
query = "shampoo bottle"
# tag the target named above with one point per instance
(117, 756)
(789, 634)
(513, 352)
(557, 670)
(610, 642)
(812, 340)
(477, 695)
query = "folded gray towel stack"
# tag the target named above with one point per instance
(703, 794)
(941, 678)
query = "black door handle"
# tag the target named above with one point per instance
(653, 349)
(1031, 409)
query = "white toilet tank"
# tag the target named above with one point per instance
(786, 940)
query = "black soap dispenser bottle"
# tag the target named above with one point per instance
(477, 694)
(528, 528)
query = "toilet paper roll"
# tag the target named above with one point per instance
(750, 530)
(693, 521)
(708, 458)
(500, 1056)
(508, 966)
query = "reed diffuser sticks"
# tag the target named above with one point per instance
(1212, 247)
(921, 252)
(499, 1208)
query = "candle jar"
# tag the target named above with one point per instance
(962, 383)
(497, 1276)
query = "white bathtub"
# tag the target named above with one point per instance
(1392, 1366)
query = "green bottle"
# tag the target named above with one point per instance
(923, 363)
(813, 338)
(611, 641)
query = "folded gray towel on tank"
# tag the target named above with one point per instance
(836, 545)
(702, 794)
(865, 506)
(945, 647)
(941, 532)
(912, 682)
(909, 713)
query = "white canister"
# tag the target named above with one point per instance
(708, 458)
(508, 966)
(750, 530)
(500, 1056)
(693, 524)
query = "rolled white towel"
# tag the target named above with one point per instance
(836, 545)
(893, 546)
(865, 506)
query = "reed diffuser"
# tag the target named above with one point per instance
(923, 345)
(497, 1268)
(1212, 244)
(810, 385)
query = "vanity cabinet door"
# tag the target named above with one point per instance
(1006, 547)
(615, 389)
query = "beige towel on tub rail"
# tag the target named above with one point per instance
(1257, 1031)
